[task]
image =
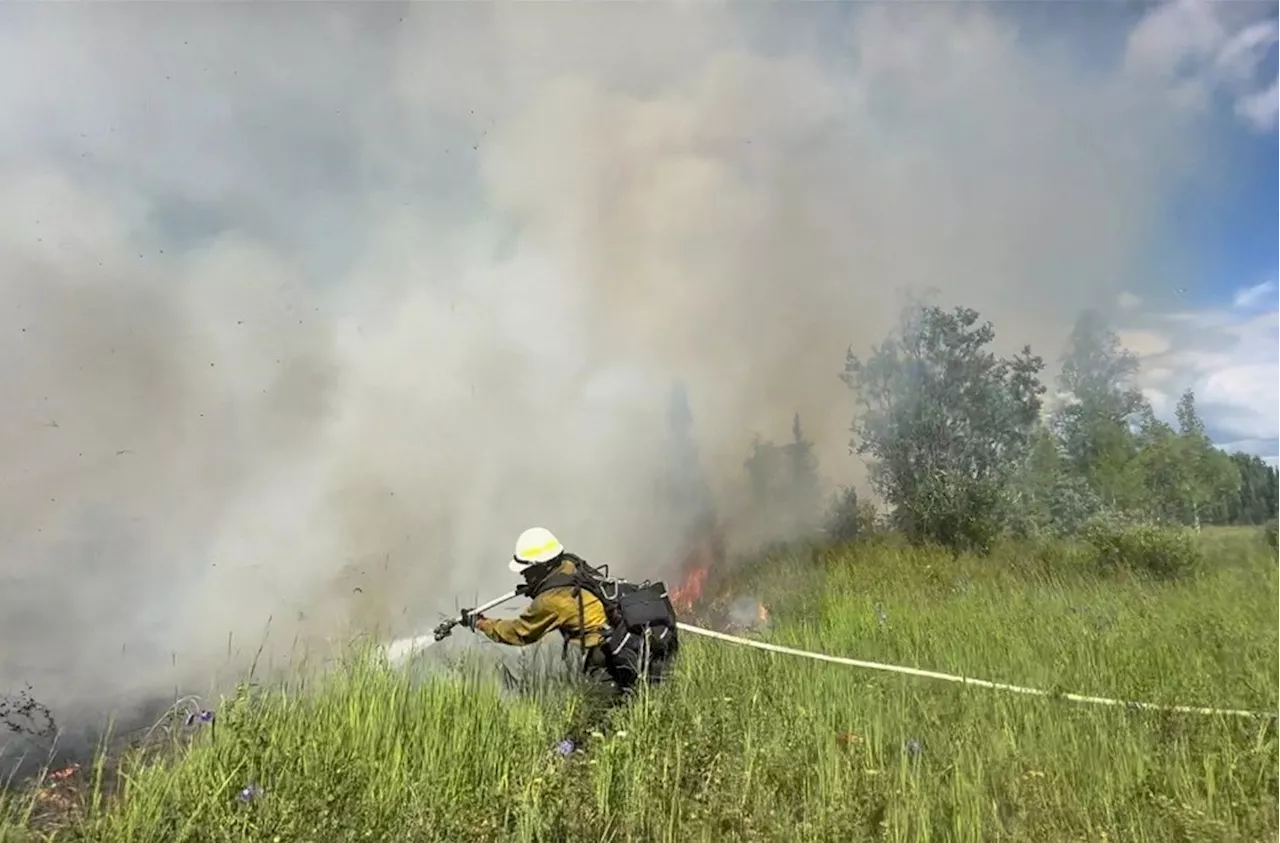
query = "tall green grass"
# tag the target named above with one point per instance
(744, 745)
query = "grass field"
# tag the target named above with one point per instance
(744, 745)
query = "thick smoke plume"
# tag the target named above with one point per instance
(308, 309)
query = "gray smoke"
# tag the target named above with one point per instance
(308, 309)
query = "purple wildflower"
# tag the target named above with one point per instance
(201, 716)
(249, 793)
(564, 749)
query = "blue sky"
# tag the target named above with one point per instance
(1201, 309)
(1229, 234)
(1232, 227)
(1219, 336)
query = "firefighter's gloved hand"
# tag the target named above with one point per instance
(470, 619)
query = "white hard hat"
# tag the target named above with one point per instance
(535, 545)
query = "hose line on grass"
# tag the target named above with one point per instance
(401, 650)
(966, 680)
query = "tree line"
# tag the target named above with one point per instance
(963, 447)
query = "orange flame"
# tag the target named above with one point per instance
(685, 595)
(705, 551)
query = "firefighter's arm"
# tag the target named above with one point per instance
(538, 618)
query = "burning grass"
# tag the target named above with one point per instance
(743, 745)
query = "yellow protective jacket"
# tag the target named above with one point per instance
(553, 609)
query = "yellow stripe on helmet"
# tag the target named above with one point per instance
(540, 549)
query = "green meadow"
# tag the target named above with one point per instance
(747, 745)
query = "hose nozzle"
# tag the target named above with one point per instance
(443, 631)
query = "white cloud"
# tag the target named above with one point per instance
(1260, 110)
(1241, 397)
(1247, 297)
(1158, 375)
(1243, 53)
(1230, 360)
(1171, 34)
(1267, 449)
(1162, 403)
(1200, 47)
(1128, 301)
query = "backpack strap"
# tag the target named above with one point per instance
(554, 580)
(583, 578)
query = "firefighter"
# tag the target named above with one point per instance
(561, 586)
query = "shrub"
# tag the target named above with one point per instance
(960, 516)
(849, 517)
(842, 516)
(1270, 529)
(1144, 549)
(1072, 503)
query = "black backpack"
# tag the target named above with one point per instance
(641, 620)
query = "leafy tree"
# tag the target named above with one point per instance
(1212, 479)
(1182, 477)
(1131, 461)
(1095, 424)
(1097, 371)
(1033, 485)
(765, 472)
(1256, 498)
(841, 523)
(1054, 500)
(1072, 504)
(1164, 472)
(805, 493)
(1219, 485)
(1189, 422)
(784, 481)
(946, 423)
